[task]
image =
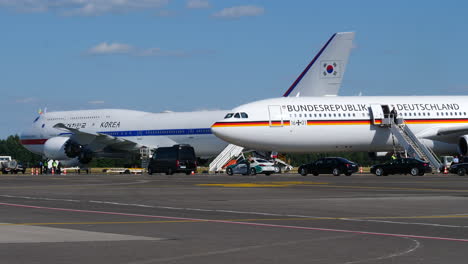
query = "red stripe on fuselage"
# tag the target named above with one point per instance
(33, 141)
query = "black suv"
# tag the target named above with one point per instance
(335, 166)
(178, 158)
(459, 168)
(412, 166)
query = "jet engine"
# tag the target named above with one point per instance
(378, 155)
(54, 148)
(72, 149)
(63, 148)
(463, 145)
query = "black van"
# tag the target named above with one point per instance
(178, 158)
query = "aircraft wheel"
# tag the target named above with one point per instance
(336, 172)
(150, 171)
(169, 172)
(253, 171)
(229, 171)
(414, 172)
(461, 171)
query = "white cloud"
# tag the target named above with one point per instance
(82, 7)
(240, 11)
(112, 48)
(105, 48)
(96, 102)
(197, 4)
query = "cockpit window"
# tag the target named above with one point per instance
(229, 115)
(35, 120)
(237, 115)
(244, 115)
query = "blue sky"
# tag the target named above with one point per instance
(184, 55)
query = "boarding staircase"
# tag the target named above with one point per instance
(226, 155)
(410, 142)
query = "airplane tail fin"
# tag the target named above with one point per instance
(323, 75)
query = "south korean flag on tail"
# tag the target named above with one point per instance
(330, 69)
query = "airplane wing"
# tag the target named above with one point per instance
(323, 75)
(99, 141)
(445, 134)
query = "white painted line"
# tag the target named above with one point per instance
(236, 212)
(358, 232)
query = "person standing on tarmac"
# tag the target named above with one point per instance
(54, 165)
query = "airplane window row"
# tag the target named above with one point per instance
(85, 117)
(367, 114)
(57, 118)
(236, 115)
(437, 113)
(325, 115)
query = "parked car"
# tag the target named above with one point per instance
(412, 166)
(175, 159)
(459, 168)
(333, 165)
(253, 166)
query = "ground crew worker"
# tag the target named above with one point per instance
(54, 165)
(41, 167)
(394, 157)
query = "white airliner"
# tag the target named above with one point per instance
(78, 136)
(331, 124)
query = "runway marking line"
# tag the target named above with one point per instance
(240, 220)
(320, 184)
(241, 223)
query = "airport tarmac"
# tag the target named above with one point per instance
(143, 219)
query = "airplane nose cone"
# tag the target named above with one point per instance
(225, 132)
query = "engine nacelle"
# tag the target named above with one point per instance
(54, 148)
(378, 155)
(63, 148)
(463, 145)
(73, 149)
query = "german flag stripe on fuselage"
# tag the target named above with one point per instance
(337, 122)
(250, 124)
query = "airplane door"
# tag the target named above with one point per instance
(376, 113)
(276, 117)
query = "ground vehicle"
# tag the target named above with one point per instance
(333, 165)
(7, 164)
(178, 158)
(252, 166)
(459, 168)
(412, 166)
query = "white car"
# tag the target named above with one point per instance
(252, 166)
(266, 167)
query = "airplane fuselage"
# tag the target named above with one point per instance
(332, 124)
(148, 129)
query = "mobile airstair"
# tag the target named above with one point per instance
(230, 152)
(410, 142)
